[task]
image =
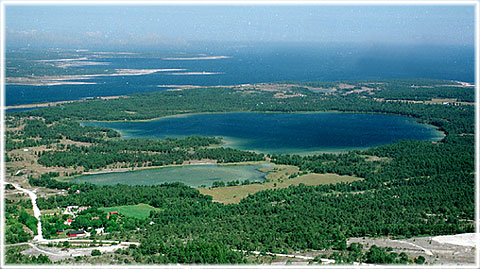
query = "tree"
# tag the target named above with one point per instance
(420, 260)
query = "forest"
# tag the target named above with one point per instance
(142, 153)
(410, 188)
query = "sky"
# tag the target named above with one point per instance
(123, 26)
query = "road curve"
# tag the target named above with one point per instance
(36, 210)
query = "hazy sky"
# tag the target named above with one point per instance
(180, 25)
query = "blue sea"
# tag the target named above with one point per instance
(255, 63)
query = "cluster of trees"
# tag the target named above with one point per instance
(385, 256)
(36, 132)
(217, 184)
(426, 93)
(108, 196)
(14, 231)
(193, 252)
(48, 181)
(398, 162)
(13, 255)
(144, 152)
(28, 220)
(424, 89)
(355, 252)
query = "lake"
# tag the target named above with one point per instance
(191, 175)
(284, 133)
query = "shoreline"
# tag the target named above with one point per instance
(204, 162)
(49, 104)
(440, 134)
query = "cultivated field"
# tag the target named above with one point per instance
(140, 211)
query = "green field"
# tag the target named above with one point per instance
(140, 211)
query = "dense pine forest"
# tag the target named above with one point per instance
(410, 188)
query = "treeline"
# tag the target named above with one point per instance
(427, 93)
(227, 155)
(144, 152)
(423, 90)
(48, 181)
(36, 132)
(193, 252)
(398, 161)
(108, 196)
(15, 219)
(355, 252)
(405, 89)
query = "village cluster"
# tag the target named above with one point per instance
(71, 214)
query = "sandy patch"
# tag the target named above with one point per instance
(283, 95)
(79, 63)
(435, 253)
(68, 79)
(196, 58)
(47, 81)
(196, 73)
(199, 162)
(114, 53)
(344, 86)
(63, 60)
(58, 254)
(465, 84)
(60, 102)
(181, 86)
(467, 240)
(138, 72)
(363, 89)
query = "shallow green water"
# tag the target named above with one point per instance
(191, 175)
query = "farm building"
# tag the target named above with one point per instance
(75, 233)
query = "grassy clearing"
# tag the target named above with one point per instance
(278, 179)
(51, 211)
(140, 211)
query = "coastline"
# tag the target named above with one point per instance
(51, 104)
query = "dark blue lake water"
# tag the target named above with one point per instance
(284, 132)
(264, 63)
